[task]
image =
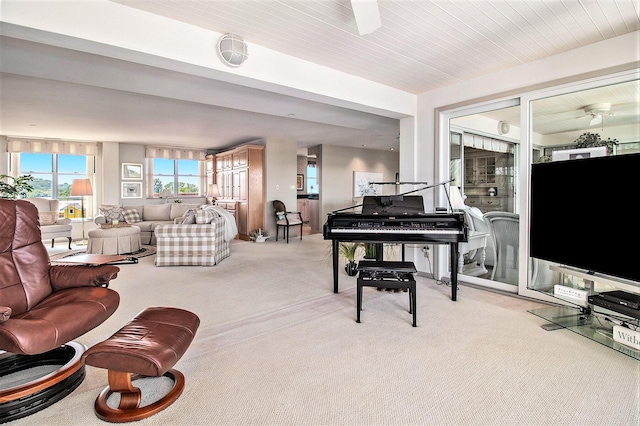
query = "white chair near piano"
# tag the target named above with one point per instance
(477, 252)
(494, 242)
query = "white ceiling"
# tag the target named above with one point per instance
(422, 45)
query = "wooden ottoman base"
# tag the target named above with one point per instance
(129, 409)
(147, 346)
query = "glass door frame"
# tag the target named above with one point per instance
(444, 126)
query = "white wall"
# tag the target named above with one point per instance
(107, 179)
(337, 167)
(281, 164)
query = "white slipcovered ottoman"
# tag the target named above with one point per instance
(122, 240)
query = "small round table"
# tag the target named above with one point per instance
(115, 240)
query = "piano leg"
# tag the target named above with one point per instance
(454, 271)
(334, 249)
(379, 252)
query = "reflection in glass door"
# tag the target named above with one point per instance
(483, 155)
(567, 126)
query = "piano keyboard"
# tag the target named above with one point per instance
(395, 231)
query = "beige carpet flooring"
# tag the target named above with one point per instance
(277, 347)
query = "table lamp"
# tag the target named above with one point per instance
(166, 193)
(81, 187)
(213, 192)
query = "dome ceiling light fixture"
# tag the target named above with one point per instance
(232, 50)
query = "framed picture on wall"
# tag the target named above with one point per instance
(131, 171)
(300, 182)
(131, 189)
(362, 184)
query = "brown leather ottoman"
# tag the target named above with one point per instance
(148, 345)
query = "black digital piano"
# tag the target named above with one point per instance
(396, 219)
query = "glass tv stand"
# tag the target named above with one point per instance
(595, 324)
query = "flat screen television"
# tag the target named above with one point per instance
(583, 214)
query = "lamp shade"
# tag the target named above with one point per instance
(213, 191)
(166, 193)
(81, 187)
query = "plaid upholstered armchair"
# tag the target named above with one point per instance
(204, 241)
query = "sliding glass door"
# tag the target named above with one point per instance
(490, 150)
(484, 147)
(573, 123)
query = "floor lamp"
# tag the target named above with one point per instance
(81, 187)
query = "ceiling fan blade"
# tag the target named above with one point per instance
(595, 120)
(367, 15)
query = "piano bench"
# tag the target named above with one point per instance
(396, 275)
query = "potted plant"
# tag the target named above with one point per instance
(20, 187)
(589, 140)
(369, 250)
(259, 236)
(348, 251)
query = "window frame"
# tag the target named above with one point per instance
(201, 177)
(15, 166)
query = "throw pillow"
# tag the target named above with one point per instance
(131, 216)
(189, 217)
(157, 211)
(205, 216)
(179, 209)
(48, 218)
(111, 212)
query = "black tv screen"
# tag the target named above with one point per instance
(583, 214)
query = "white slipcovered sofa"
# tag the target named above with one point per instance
(147, 217)
(51, 225)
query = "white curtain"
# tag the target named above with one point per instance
(48, 146)
(485, 143)
(175, 153)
